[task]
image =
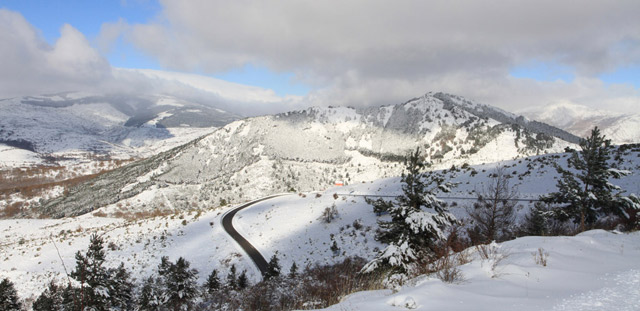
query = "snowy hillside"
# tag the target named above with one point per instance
(312, 149)
(579, 120)
(116, 125)
(291, 227)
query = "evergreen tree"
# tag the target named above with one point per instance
(536, 221)
(93, 276)
(71, 298)
(50, 299)
(9, 296)
(179, 284)
(232, 280)
(586, 193)
(273, 268)
(213, 282)
(121, 288)
(335, 249)
(417, 218)
(150, 296)
(293, 271)
(243, 282)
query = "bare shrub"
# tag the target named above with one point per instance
(446, 268)
(492, 254)
(329, 214)
(493, 215)
(540, 257)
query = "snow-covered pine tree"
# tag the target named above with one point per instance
(232, 279)
(121, 288)
(273, 268)
(213, 282)
(9, 299)
(50, 299)
(536, 221)
(150, 298)
(93, 276)
(587, 194)
(179, 284)
(417, 219)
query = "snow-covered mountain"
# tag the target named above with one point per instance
(311, 149)
(579, 120)
(118, 125)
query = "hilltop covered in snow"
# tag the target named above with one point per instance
(311, 149)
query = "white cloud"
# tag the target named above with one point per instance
(376, 52)
(358, 53)
(31, 66)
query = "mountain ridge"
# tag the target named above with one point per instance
(311, 149)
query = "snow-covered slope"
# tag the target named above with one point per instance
(595, 270)
(312, 149)
(291, 227)
(579, 120)
(117, 125)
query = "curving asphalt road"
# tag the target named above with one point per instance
(227, 223)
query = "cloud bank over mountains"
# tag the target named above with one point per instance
(356, 53)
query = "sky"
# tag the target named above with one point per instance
(516, 55)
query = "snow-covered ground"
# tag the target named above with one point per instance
(590, 265)
(595, 270)
(29, 247)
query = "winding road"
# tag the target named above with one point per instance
(227, 223)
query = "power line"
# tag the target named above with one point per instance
(439, 197)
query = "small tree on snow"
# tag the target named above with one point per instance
(418, 219)
(213, 282)
(293, 271)
(493, 214)
(273, 269)
(329, 213)
(243, 281)
(232, 278)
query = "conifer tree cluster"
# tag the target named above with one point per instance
(9, 296)
(584, 191)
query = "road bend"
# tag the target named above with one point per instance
(227, 223)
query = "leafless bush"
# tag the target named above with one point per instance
(493, 215)
(329, 214)
(540, 257)
(492, 254)
(447, 268)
